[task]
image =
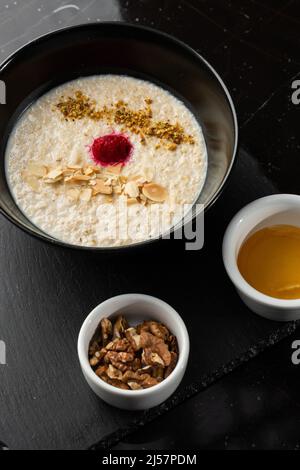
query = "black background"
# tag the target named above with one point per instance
(46, 292)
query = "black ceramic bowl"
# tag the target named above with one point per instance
(119, 48)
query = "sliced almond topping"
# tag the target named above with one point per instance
(101, 188)
(132, 200)
(96, 169)
(67, 172)
(134, 189)
(114, 169)
(86, 194)
(143, 199)
(131, 189)
(155, 192)
(74, 167)
(54, 173)
(52, 180)
(117, 189)
(123, 179)
(69, 179)
(78, 178)
(101, 176)
(109, 182)
(37, 170)
(88, 171)
(138, 179)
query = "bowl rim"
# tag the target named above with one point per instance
(124, 24)
(182, 357)
(229, 248)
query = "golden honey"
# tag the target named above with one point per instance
(269, 260)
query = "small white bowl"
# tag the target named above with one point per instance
(270, 210)
(136, 308)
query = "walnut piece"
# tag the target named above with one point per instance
(156, 345)
(171, 366)
(133, 338)
(106, 328)
(119, 327)
(159, 330)
(119, 345)
(132, 358)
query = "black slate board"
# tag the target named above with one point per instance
(256, 407)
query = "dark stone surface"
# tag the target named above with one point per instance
(46, 292)
(256, 407)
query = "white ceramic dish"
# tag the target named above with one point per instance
(136, 308)
(270, 210)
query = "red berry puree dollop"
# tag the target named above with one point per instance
(111, 149)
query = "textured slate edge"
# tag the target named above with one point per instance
(195, 387)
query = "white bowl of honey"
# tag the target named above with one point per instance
(261, 254)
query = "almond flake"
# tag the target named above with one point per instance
(132, 200)
(80, 178)
(123, 179)
(86, 194)
(74, 167)
(109, 182)
(131, 189)
(69, 179)
(117, 189)
(101, 176)
(155, 192)
(138, 179)
(52, 180)
(54, 174)
(88, 171)
(114, 169)
(96, 169)
(67, 172)
(101, 188)
(143, 198)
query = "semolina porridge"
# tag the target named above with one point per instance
(107, 160)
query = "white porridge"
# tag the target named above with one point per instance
(106, 161)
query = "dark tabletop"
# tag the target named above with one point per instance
(241, 388)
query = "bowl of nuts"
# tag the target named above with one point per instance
(133, 351)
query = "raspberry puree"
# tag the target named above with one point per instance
(111, 149)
